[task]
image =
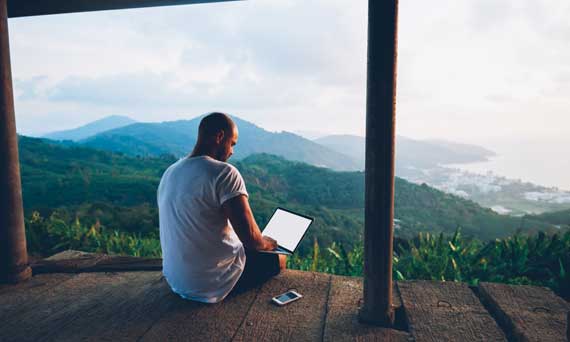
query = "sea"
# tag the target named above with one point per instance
(545, 163)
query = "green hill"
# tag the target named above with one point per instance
(92, 128)
(560, 219)
(120, 191)
(179, 137)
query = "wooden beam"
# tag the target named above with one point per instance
(13, 254)
(527, 313)
(446, 311)
(26, 8)
(380, 146)
(341, 321)
(302, 320)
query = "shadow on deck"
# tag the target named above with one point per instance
(126, 305)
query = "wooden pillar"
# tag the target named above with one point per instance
(13, 254)
(380, 150)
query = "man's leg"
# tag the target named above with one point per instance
(259, 268)
(282, 262)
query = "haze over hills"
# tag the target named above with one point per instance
(419, 161)
(339, 152)
(178, 138)
(434, 162)
(92, 128)
(411, 152)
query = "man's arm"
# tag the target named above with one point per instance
(238, 211)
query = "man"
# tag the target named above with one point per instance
(205, 221)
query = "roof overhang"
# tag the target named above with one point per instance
(26, 8)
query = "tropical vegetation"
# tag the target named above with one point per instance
(538, 259)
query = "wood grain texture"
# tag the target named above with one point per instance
(446, 311)
(56, 309)
(20, 297)
(302, 320)
(37, 283)
(125, 314)
(77, 262)
(345, 298)
(528, 313)
(188, 320)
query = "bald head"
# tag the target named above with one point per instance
(217, 135)
(213, 123)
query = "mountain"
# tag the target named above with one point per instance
(461, 153)
(90, 129)
(120, 191)
(412, 153)
(560, 219)
(351, 145)
(310, 134)
(179, 137)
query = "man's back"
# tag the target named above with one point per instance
(202, 256)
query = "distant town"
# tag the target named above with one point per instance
(501, 194)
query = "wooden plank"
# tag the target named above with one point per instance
(37, 283)
(188, 320)
(57, 308)
(77, 262)
(125, 314)
(528, 313)
(24, 8)
(446, 311)
(302, 320)
(568, 327)
(16, 298)
(342, 324)
(73, 254)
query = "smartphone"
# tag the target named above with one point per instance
(286, 298)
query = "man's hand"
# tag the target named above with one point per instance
(269, 244)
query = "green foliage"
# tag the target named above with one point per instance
(535, 260)
(54, 234)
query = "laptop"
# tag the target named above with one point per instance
(288, 229)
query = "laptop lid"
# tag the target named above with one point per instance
(287, 228)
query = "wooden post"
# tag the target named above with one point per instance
(13, 254)
(380, 146)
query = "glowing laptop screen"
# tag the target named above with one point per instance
(287, 228)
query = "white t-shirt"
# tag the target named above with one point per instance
(202, 257)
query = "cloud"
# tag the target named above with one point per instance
(489, 14)
(121, 89)
(29, 89)
(291, 58)
(500, 98)
(292, 64)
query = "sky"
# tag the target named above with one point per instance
(469, 71)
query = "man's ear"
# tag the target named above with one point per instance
(220, 136)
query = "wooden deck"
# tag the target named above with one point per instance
(139, 306)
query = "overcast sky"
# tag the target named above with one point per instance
(470, 70)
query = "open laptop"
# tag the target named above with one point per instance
(288, 229)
